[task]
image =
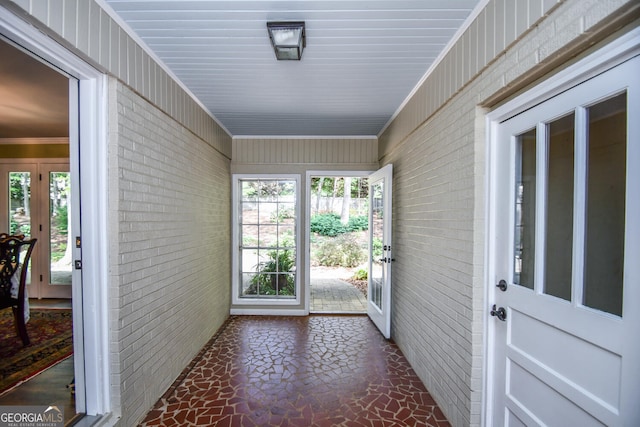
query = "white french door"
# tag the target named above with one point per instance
(379, 288)
(565, 220)
(35, 201)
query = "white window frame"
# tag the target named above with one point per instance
(235, 242)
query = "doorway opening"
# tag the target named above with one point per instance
(338, 242)
(35, 202)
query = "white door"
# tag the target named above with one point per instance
(380, 251)
(34, 201)
(566, 320)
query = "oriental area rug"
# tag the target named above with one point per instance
(50, 332)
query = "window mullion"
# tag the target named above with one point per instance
(542, 162)
(580, 203)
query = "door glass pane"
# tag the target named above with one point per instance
(267, 235)
(525, 208)
(377, 266)
(606, 189)
(20, 207)
(59, 227)
(559, 231)
(20, 203)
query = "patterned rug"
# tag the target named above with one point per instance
(50, 332)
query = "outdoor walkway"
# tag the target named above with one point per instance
(336, 296)
(327, 370)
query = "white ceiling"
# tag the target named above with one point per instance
(33, 97)
(363, 58)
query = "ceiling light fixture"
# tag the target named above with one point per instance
(288, 39)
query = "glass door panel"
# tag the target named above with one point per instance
(60, 240)
(606, 190)
(20, 207)
(55, 243)
(16, 202)
(20, 203)
(377, 235)
(525, 226)
(559, 208)
(379, 288)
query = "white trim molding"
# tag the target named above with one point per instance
(90, 303)
(238, 302)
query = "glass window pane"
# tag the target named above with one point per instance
(247, 287)
(249, 235)
(248, 213)
(249, 190)
(377, 234)
(59, 227)
(525, 209)
(268, 236)
(286, 237)
(606, 189)
(286, 213)
(20, 207)
(268, 213)
(20, 203)
(559, 231)
(268, 245)
(249, 260)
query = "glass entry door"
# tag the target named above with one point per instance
(379, 289)
(35, 200)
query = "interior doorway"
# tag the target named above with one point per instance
(338, 224)
(36, 201)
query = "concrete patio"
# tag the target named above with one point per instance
(331, 295)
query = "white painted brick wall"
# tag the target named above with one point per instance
(170, 201)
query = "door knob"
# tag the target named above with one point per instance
(500, 313)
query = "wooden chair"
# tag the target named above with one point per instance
(11, 248)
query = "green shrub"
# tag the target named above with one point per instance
(327, 224)
(275, 275)
(342, 251)
(61, 220)
(358, 223)
(282, 214)
(377, 247)
(16, 228)
(361, 274)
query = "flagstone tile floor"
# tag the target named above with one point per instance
(327, 370)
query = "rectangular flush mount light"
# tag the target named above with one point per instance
(288, 39)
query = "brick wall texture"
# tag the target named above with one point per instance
(170, 272)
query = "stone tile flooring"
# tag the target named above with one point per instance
(324, 370)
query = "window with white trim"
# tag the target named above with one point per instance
(265, 237)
